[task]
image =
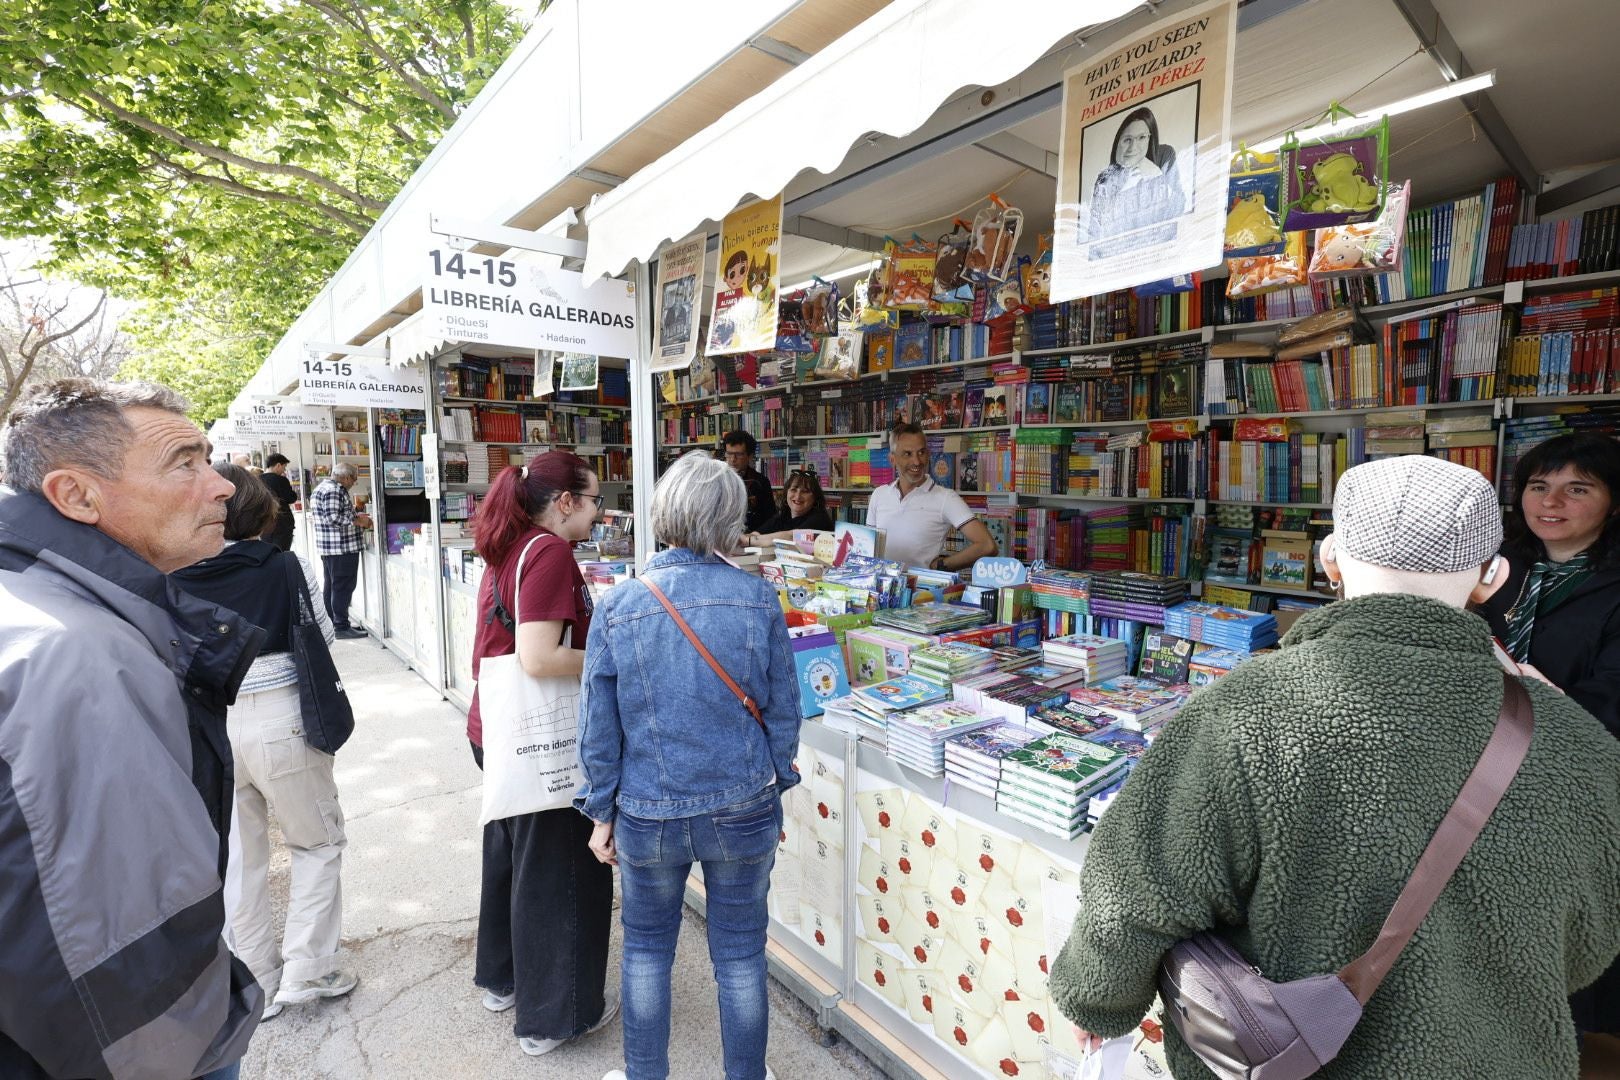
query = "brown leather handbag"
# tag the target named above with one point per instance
(1243, 1026)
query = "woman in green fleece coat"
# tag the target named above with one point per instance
(1288, 803)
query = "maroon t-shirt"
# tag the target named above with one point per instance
(553, 589)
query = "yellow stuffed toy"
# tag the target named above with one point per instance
(1337, 186)
(1249, 223)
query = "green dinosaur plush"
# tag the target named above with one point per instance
(1337, 186)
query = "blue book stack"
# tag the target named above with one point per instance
(1228, 628)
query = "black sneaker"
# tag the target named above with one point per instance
(349, 632)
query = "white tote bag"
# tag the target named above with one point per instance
(531, 730)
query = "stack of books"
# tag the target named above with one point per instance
(917, 736)
(944, 664)
(933, 618)
(1051, 719)
(1229, 628)
(1061, 590)
(1097, 657)
(1138, 703)
(1210, 663)
(1054, 675)
(1123, 738)
(1048, 783)
(882, 700)
(1013, 658)
(973, 759)
(1101, 801)
(1128, 594)
(1010, 696)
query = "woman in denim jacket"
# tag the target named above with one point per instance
(676, 769)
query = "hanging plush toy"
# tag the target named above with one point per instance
(995, 234)
(1338, 181)
(950, 264)
(1254, 199)
(1372, 247)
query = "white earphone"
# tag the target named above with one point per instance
(1490, 571)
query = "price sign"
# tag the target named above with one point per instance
(364, 383)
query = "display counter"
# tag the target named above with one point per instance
(930, 916)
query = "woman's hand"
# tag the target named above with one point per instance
(601, 844)
(1089, 1042)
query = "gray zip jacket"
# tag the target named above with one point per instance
(111, 681)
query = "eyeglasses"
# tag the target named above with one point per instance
(600, 500)
(808, 474)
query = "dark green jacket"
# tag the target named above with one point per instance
(1288, 803)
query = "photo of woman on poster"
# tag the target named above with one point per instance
(1141, 185)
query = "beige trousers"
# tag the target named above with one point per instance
(275, 767)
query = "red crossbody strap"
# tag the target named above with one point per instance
(748, 702)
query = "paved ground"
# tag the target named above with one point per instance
(410, 876)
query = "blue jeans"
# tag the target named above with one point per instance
(229, 1072)
(737, 847)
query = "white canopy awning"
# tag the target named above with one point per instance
(415, 338)
(887, 75)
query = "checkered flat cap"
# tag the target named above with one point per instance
(1417, 513)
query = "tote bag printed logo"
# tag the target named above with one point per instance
(531, 732)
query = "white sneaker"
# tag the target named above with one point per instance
(334, 984)
(536, 1047)
(499, 1002)
(272, 1009)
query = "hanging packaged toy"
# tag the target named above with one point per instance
(867, 314)
(1373, 247)
(1268, 273)
(820, 309)
(791, 336)
(1338, 181)
(1169, 286)
(1007, 297)
(950, 264)
(911, 275)
(995, 234)
(840, 356)
(1254, 204)
(1038, 273)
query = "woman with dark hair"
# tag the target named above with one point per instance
(546, 905)
(803, 506)
(1140, 186)
(275, 766)
(1560, 614)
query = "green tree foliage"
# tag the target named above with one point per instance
(217, 160)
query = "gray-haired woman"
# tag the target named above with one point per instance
(681, 767)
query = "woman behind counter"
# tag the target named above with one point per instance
(1560, 614)
(678, 769)
(803, 506)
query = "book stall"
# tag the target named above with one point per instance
(1153, 442)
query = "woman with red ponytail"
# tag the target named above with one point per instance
(546, 905)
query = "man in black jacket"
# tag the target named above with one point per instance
(113, 691)
(275, 478)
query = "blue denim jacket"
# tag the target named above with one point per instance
(660, 736)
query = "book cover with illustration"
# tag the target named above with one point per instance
(1166, 657)
(819, 665)
(904, 692)
(1065, 761)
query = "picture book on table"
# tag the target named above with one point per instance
(1131, 744)
(905, 692)
(864, 539)
(819, 664)
(1067, 760)
(996, 741)
(939, 720)
(1166, 657)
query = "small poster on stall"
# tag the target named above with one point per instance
(744, 318)
(680, 289)
(578, 371)
(1142, 161)
(545, 373)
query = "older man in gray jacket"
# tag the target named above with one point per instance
(115, 776)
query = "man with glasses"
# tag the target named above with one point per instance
(740, 450)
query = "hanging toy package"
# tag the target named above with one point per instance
(869, 314)
(1254, 205)
(1267, 273)
(791, 335)
(911, 277)
(950, 264)
(840, 356)
(1338, 181)
(820, 309)
(1038, 273)
(995, 234)
(1373, 247)
(1007, 297)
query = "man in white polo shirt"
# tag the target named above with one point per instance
(917, 514)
